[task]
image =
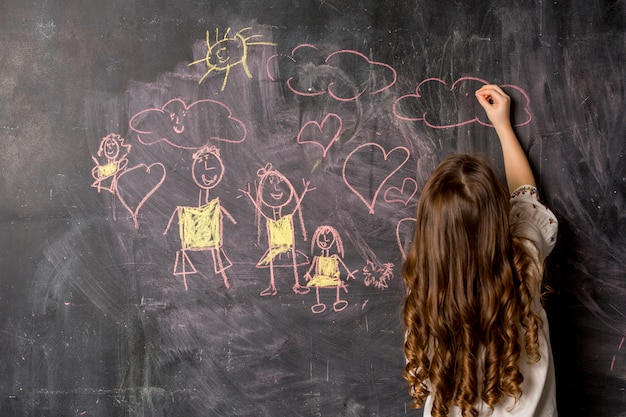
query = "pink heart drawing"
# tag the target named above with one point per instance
(321, 134)
(374, 159)
(404, 234)
(137, 184)
(404, 194)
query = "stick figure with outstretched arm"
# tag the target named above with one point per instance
(278, 202)
(327, 267)
(201, 227)
(112, 160)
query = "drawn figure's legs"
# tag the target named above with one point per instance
(180, 266)
(297, 288)
(319, 307)
(271, 290)
(225, 279)
(219, 265)
(340, 304)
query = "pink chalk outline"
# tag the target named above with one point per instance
(400, 195)
(148, 169)
(621, 343)
(318, 133)
(207, 172)
(277, 201)
(454, 85)
(178, 125)
(114, 150)
(377, 274)
(325, 238)
(398, 237)
(326, 61)
(370, 205)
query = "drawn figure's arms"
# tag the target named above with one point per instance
(307, 275)
(122, 164)
(306, 190)
(228, 215)
(169, 223)
(246, 192)
(95, 171)
(350, 273)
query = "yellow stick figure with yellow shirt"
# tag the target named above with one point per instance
(112, 153)
(327, 267)
(277, 201)
(201, 227)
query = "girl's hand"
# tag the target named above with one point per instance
(497, 104)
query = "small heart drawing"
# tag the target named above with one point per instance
(375, 155)
(137, 184)
(404, 194)
(321, 134)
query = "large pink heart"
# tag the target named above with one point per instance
(137, 184)
(322, 134)
(377, 156)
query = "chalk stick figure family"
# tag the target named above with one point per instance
(276, 203)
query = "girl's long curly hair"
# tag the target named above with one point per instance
(471, 288)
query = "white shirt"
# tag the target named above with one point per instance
(532, 220)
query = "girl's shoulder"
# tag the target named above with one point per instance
(531, 219)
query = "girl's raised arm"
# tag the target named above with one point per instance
(497, 105)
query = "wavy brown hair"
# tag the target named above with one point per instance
(471, 287)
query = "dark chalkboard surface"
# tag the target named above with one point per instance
(204, 205)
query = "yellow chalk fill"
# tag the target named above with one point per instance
(200, 226)
(280, 235)
(327, 273)
(107, 170)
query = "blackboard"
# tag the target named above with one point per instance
(129, 128)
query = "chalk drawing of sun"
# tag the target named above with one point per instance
(227, 52)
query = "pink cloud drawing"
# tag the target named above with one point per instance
(188, 126)
(344, 75)
(440, 106)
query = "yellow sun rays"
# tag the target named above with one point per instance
(228, 52)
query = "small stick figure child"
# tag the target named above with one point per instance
(112, 152)
(327, 272)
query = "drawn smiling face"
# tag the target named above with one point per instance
(177, 119)
(276, 190)
(111, 148)
(226, 53)
(207, 170)
(325, 239)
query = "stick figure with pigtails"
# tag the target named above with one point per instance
(327, 267)
(278, 203)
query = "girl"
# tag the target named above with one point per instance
(477, 335)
